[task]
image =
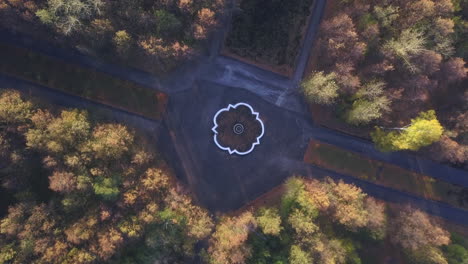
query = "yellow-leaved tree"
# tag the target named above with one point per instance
(423, 131)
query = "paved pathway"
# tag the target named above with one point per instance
(223, 182)
(443, 210)
(151, 127)
(311, 33)
(73, 56)
(199, 88)
(402, 159)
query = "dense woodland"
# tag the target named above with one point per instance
(398, 65)
(332, 222)
(87, 191)
(152, 35)
(78, 190)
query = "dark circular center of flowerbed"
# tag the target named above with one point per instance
(238, 128)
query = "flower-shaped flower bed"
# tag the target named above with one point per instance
(237, 129)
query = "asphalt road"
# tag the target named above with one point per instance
(200, 87)
(220, 181)
(110, 114)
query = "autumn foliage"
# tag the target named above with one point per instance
(328, 221)
(94, 192)
(154, 35)
(101, 192)
(391, 61)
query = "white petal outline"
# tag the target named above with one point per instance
(232, 151)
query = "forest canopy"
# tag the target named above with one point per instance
(152, 35)
(330, 221)
(384, 63)
(88, 191)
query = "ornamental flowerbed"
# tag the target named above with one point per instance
(237, 129)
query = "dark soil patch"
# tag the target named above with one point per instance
(269, 31)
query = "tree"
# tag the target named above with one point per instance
(384, 141)
(386, 15)
(186, 5)
(456, 254)
(56, 135)
(198, 222)
(13, 109)
(346, 78)
(55, 253)
(320, 88)
(142, 158)
(444, 7)
(428, 62)
(420, 9)
(206, 18)
(332, 251)
(80, 256)
(205, 21)
(67, 15)
(297, 197)
(12, 224)
(370, 104)
(409, 44)
(269, 221)
(414, 230)
(167, 23)
(82, 230)
(62, 181)
(7, 253)
(302, 223)
(430, 255)
(90, 165)
(339, 40)
(154, 180)
(298, 256)
(227, 244)
(30, 228)
(454, 70)
(109, 241)
(443, 26)
(122, 41)
(441, 34)
(423, 131)
(107, 188)
(376, 218)
(364, 111)
(131, 227)
(159, 49)
(109, 141)
(347, 204)
(15, 12)
(295, 187)
(449, 150)
(371, 89)
(318, 193)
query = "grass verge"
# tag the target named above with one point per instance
(95, 86)
(349, 163)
